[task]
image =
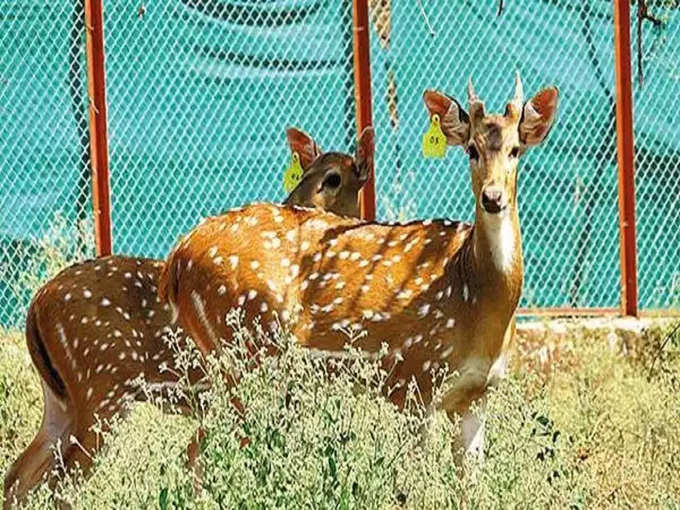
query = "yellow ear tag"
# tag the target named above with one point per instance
(434, 141)
(293, 174)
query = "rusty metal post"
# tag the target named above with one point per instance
(362, 93)
(99, 150)
(625, 150)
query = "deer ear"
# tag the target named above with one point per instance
(455, 121)
(365, 154)
(301, 142)
(538, 116)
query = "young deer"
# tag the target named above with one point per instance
(437, 292)
(98, 325)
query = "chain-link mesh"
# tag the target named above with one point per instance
(568, 186)
(200, 93)
(44, 147)
(657, 161)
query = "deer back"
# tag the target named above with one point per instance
(412, 286)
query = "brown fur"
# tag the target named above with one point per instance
(88, 368)
(435, 292)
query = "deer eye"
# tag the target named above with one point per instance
(332, 181)
(472, 152)
(514, 152)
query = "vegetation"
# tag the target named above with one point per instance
(598, 428)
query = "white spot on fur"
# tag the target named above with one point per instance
(446, 353)
(200, 310)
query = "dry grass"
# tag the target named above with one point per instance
(596, 429)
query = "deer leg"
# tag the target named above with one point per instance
(469, 387)
(193, 449)
(38, 460)
(472, 432)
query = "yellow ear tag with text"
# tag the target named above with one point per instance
(434, 141)
(293, 174)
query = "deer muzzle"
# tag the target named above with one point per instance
(492, 200)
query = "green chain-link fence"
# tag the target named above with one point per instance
(657, 160)
(200, 93)
(44, 144)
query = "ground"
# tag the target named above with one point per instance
(588, 418)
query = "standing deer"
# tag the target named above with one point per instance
(99, 325)
(437, 292)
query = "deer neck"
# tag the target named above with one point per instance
(496, 256)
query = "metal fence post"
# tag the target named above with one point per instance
(625, 150)
(362, 93)
(99, 151)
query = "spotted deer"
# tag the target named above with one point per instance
(436, 291)
(99, 325)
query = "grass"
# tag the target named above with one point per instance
(597, 426)
(595, 429)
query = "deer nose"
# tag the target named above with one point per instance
(491, 200)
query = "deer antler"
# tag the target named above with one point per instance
(477, 110)
(518, 100)
(472, 96)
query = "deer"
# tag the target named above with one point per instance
(98, 326)
(439, 293)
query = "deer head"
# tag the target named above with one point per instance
(494, 143)
(331, 181)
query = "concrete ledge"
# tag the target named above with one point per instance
(544, 342)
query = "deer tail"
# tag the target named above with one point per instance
(40, 354)
(168, 284)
